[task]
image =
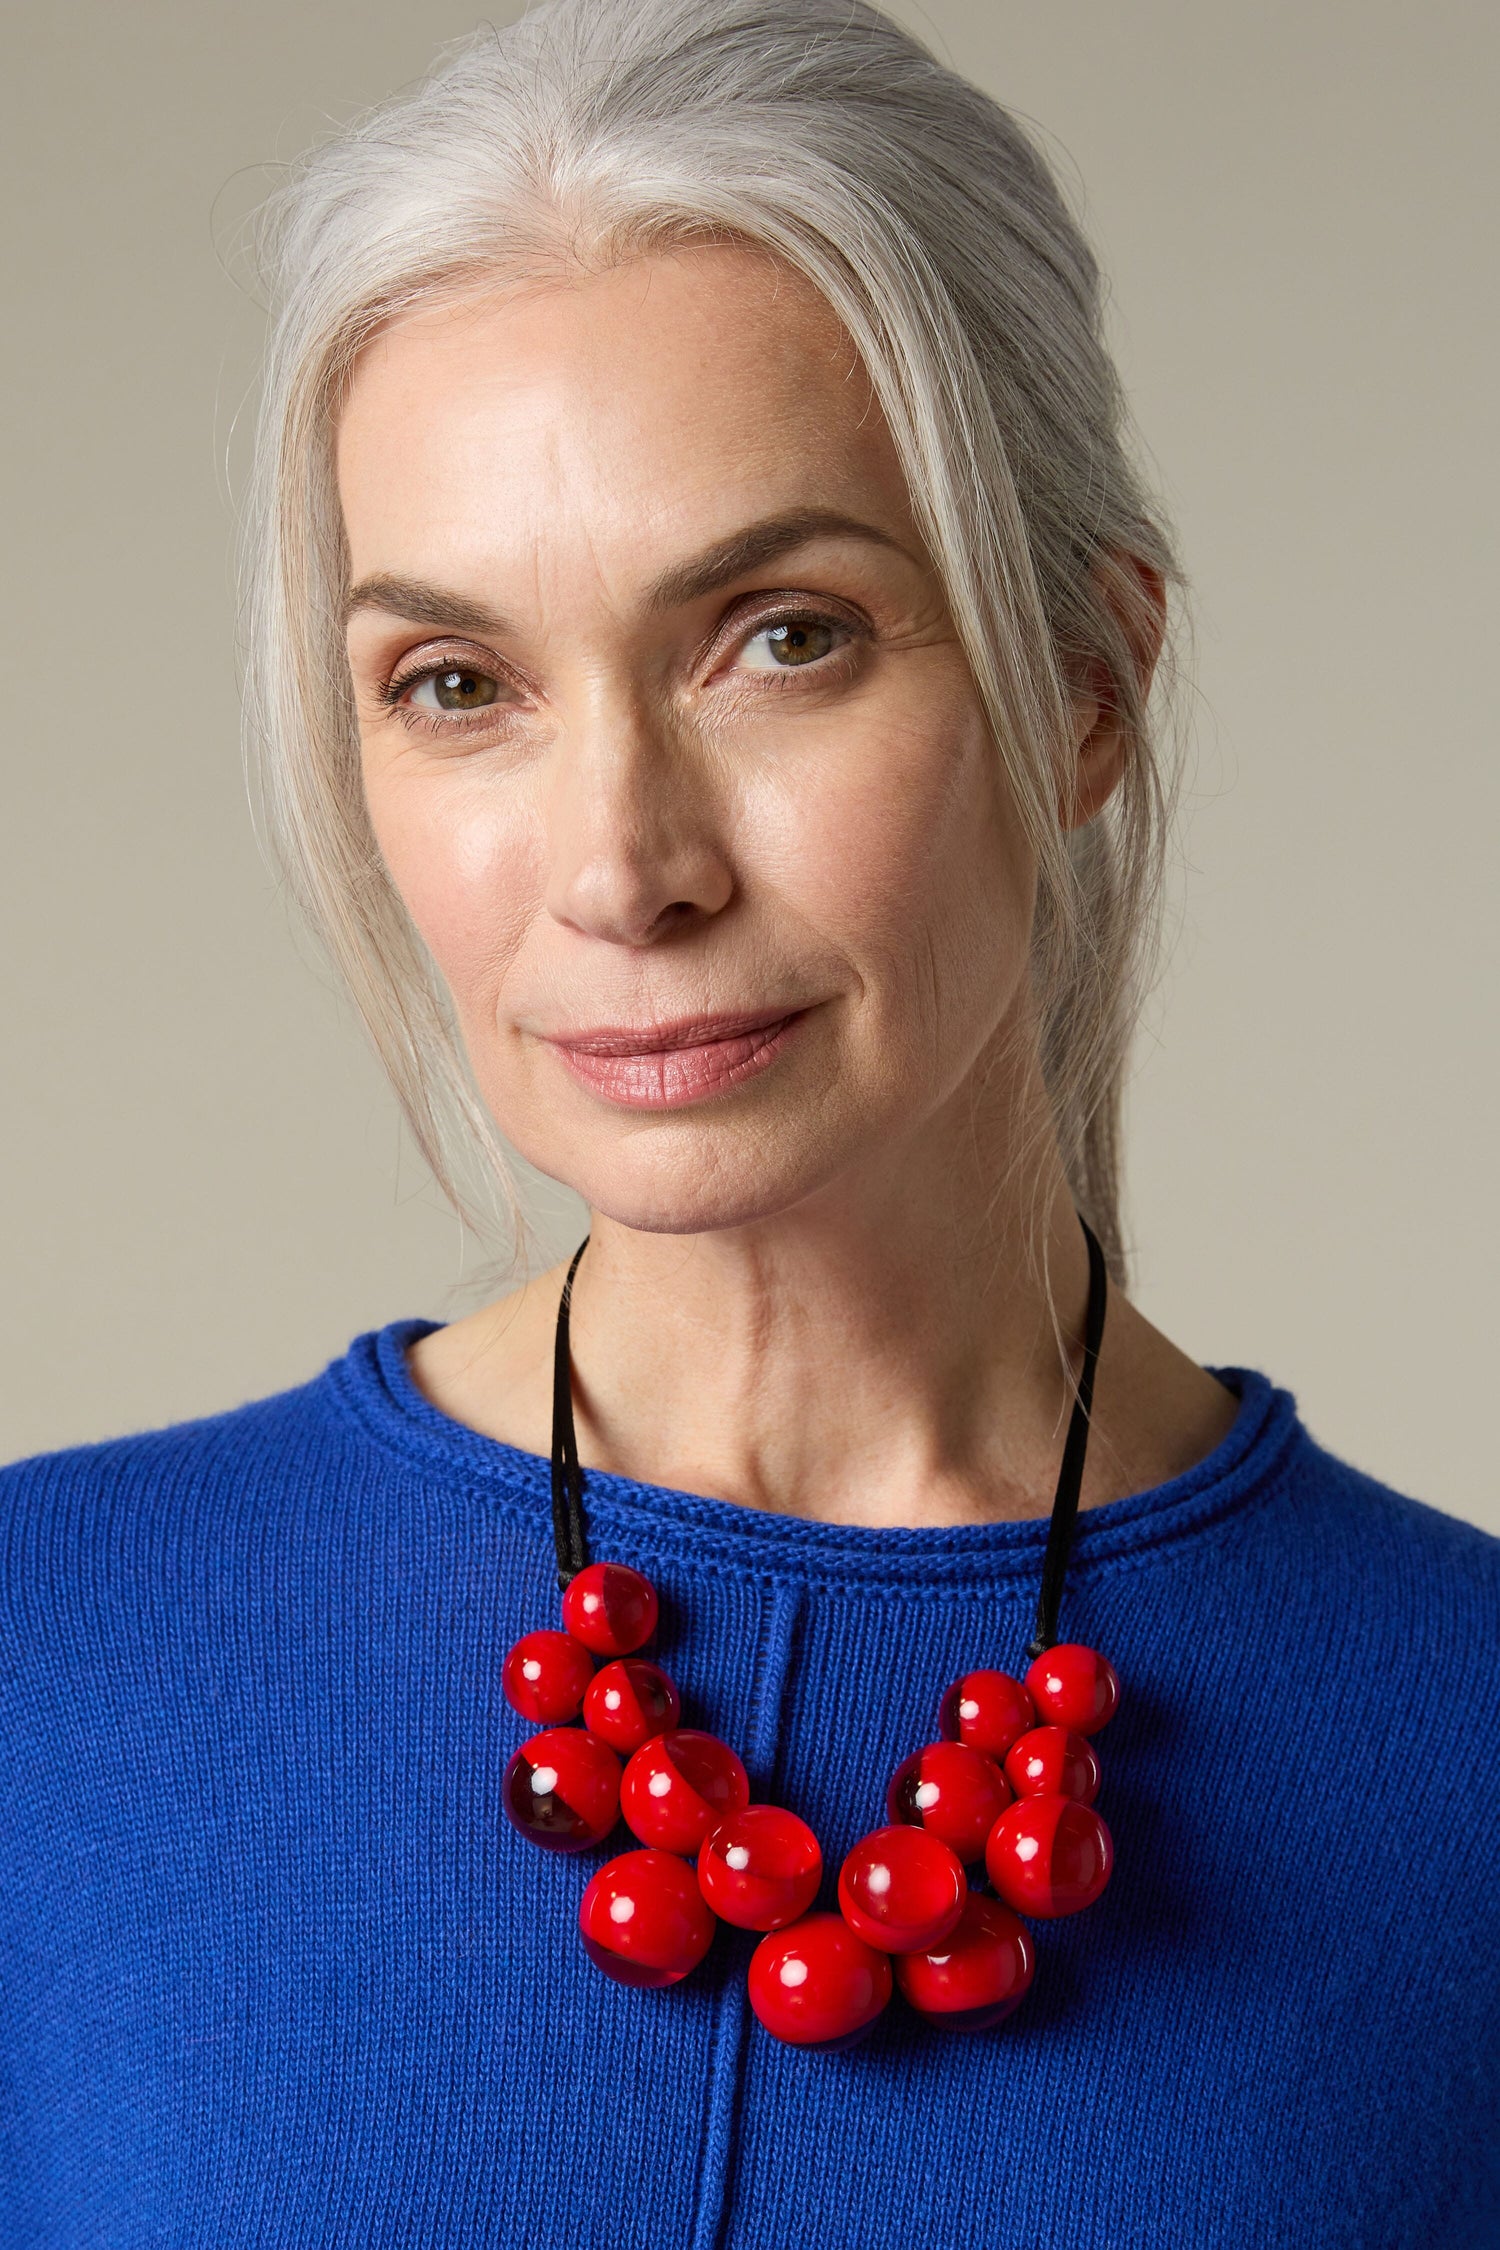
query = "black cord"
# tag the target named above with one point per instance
(1070, 1476)
(567, 1478)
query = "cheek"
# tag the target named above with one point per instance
(467, 868)
(906, 852)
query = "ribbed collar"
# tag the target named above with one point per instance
(373, 1383)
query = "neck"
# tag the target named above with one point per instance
(833, 1367)
(877, 1355)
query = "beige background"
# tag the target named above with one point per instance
(205, 1188)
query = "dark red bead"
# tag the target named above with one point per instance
(1048, 1856)
(902, 1889)
(1051, 1762)
(987, 1710)
(545, 1677)
(760, 1868)
(816, 1984)
(977, 1975)
(1074, 1687)
(628, 1701)
(679, 1785)
(951, 1791)
(643, 1920)
(611, 1608)
(562, 1789)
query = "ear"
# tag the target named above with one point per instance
(1136, 593)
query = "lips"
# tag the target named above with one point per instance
(667, 1065)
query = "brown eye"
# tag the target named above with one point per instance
(458, 687)
(792, 642)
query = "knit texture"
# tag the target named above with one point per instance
(276, 1970)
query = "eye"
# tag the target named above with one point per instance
(792, 642)
(454, 687)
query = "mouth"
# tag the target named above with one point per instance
(666, 1066)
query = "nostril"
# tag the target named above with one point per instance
(619, 890)
(680, 910)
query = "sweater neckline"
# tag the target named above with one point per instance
(373, 1383)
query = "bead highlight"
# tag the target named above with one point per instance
(643, 1920)
(610, 1608)
(817, 1985)
(978, 1975)
(1049, 1856)
(679, 1785)
(760, 1868)
(628, 1701)
(987, 1710)
(562, 1790)
(902, 1889)
(546, 1676)
(1073, 1686)
(951, 1791)
(1052, 1762)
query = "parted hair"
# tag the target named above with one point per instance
(593, 131)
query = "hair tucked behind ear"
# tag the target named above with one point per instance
(591, 131)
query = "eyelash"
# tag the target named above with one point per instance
(392, 691)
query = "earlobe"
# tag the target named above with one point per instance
(1098, 761)
(1136, 592)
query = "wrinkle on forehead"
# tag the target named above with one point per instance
(636, 414)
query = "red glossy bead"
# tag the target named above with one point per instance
(1048, 1856)
(562, 1789)
(643, 1920)
(1051, 1762)
(977, 1975)
(611, 1608)
(545, 1677)
(628, 1701)
(760, 1868)
(679, 1785)
(1073, 1686)
(987, 1710)
(902, 1889)
(951, 1791)
(816, 1984)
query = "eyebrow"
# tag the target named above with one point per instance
(755, 546)
(422, 604)
(751, 548)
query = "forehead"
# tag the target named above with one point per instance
(642, 410)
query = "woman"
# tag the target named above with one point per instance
(704, 627)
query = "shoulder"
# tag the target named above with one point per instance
(1412, 1585)
(1390, 1526)
(238, 1450)
(148, 1542)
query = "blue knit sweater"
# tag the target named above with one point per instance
(277, 1970)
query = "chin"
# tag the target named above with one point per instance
(688, 1177)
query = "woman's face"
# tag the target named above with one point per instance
(663, 720)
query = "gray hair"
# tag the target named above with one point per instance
(818, 130)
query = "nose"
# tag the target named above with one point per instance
(635, 828)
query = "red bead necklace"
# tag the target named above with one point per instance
(1009, 1783)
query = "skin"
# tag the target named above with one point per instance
(804, 1294)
